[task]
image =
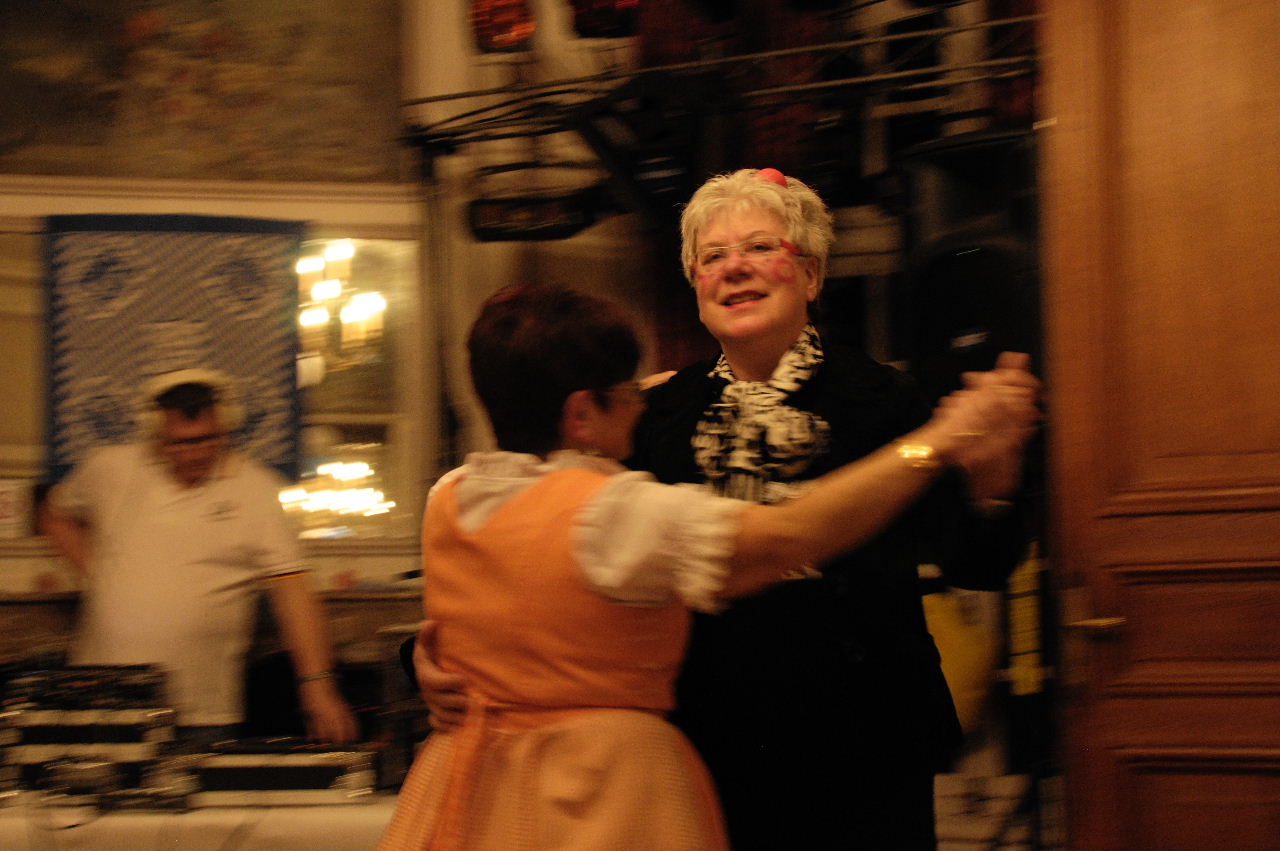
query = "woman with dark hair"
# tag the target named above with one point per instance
(560, 584)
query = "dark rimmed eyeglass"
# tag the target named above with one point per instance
(756, 248)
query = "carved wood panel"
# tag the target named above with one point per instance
(1180, 797)
(1162, 256)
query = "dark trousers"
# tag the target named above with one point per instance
(861, 810)
(798, 788)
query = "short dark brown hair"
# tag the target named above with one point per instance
(532, 346)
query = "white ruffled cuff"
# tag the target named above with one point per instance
(701, 546)
(643, 543)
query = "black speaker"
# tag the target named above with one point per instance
(969, 286)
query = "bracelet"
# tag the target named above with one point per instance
(920, 456)
(318, 675)
(992, 508)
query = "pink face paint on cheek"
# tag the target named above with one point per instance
(783, 270)
(703, 280)
(704, 286)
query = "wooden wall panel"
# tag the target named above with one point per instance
(1195, 628)
(1197, 124)
(1161, 235)
(1179, 798)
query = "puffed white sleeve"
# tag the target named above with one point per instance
(644, 543)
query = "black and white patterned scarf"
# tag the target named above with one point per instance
(750, 444)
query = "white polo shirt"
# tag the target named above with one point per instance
(173, 570)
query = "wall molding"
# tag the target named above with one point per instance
(366, 210)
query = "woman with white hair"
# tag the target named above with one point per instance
(819, 705)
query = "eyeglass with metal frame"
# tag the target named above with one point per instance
(755, 248)
(627, 391)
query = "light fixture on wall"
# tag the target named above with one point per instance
(339, 313)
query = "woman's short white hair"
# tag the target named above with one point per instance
(808, 222)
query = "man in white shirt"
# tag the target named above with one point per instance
(173, 535)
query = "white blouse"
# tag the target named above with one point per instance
(638, 541)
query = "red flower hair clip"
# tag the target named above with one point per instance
(772, 175)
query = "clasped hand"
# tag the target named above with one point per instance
(988, 424)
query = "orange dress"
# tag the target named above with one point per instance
(565, 744)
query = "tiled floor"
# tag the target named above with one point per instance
(981, 808)
(976, 812)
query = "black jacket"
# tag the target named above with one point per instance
(837, 676)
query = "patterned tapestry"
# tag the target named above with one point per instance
(201, 90)
(129, 297)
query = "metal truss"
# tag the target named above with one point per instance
(733, 83)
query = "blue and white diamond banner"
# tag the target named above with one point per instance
(130, 297)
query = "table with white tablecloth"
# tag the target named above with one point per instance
(27, 824)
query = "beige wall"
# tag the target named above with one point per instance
(457, 272)
(21, 345)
